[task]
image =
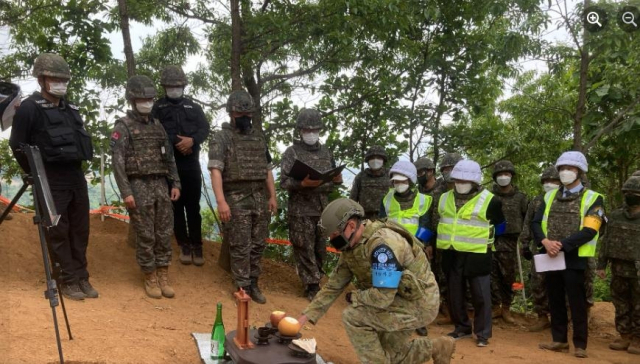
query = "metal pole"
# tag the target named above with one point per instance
(103, 197)
(524, 294)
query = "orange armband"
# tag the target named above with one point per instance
(592, 222)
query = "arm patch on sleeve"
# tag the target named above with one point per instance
(115, 136)
(386, 271)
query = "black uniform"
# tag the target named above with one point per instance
(185, 118)
(59, 133)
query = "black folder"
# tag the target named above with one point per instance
(300, 170)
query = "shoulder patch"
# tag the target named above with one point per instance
(188, 106)
(41, 101)
(385, 268)
(74, 107)
(115, 136)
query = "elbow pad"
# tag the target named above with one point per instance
(501, 228)
(424, 235)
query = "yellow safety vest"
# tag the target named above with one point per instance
(409, 218)
(588, 198)
(466, 230)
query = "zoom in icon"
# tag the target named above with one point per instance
(594, 19)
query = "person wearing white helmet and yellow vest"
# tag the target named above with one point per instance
(408, 207)
(468, 220)
(569, 220)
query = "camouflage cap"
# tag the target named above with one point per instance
(140, 87)
(376, 150)
(503, 166)
(173, 76)
(424, 163)
(335, 216)
(550, 173)
(240, 101)
(52, 65)
(309, 119)
(450, 160)
(632, 184)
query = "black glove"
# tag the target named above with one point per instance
(348, 297)
(526, 253)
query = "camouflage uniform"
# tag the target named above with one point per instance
(305, 204)
(537, 284)
(380, 321)
(244, 162)
(621, 248)
(144, 167)
(370, 186)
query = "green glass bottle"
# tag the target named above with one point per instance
(217, 336)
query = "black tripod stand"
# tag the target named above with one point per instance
(45, 217)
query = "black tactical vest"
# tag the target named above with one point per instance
(146, 154)
(63, 138)
(246, 159)
(178, 119)
(623, 237)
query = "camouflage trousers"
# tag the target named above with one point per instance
(504, 266)
(438, 272)
(246, 233)
(625, 294)
(309, 248)
(538, 291)
(589, 278)
(382, 336)
(152, 220)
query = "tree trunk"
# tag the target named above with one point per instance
(581, 107)
(126, 37)
(236, 45)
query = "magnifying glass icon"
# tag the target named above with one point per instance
(629, 18)
(593, 18)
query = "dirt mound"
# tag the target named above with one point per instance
(124, 326)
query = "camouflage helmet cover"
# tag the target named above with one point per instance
(240, 101)
(424, 163)
(173, 76)
(337, 213)
(52, 65)
(632, 184)
(450, 160)
(550, 173)
(503, 166)
(376, 150)
(309, 119)
(140, 87)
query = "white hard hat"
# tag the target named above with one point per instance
(573, 158)
(467, 170)
(406, 169)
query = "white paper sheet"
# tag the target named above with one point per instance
(544, 263)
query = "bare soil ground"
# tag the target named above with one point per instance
(125, 326)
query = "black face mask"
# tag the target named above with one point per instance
(341, 242)
(422, 180)
(243, 122)
(632, 200)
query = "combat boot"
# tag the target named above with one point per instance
(496, 312)
(634, 347)
(621, 343)
(541, 324)
(506, 315)
(151, 285)
(185, 255)
(442, 350)
(163, 282)
(255, 292)
(72, 291)
(198, 259)
(555, 346)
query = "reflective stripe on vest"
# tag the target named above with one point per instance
(466, 230)
(409, 218)
(588, 198)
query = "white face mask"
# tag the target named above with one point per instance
(375, 163)
(503, 181)
(401, 188)
(550, 186)
(58, 88)
(144, 107)
(310, 138)
(174, 92)
(463, 188)
(567, 177)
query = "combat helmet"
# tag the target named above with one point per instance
(337, 213)
(503, 166)
(376, 150)
(632, 185)
(309, 119)
(52, 65)
(173, 76)
(240, 101)
(424, 163)
(549, 173)
(450, 160)
(140, 87)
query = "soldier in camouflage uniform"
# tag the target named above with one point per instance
(372, 184)
(550, 180)
(426, 176)
(504, 263)
(307, 199)
(445, 183)
(242, 181)
(621, 248)
(395, 289)
(146, 174)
